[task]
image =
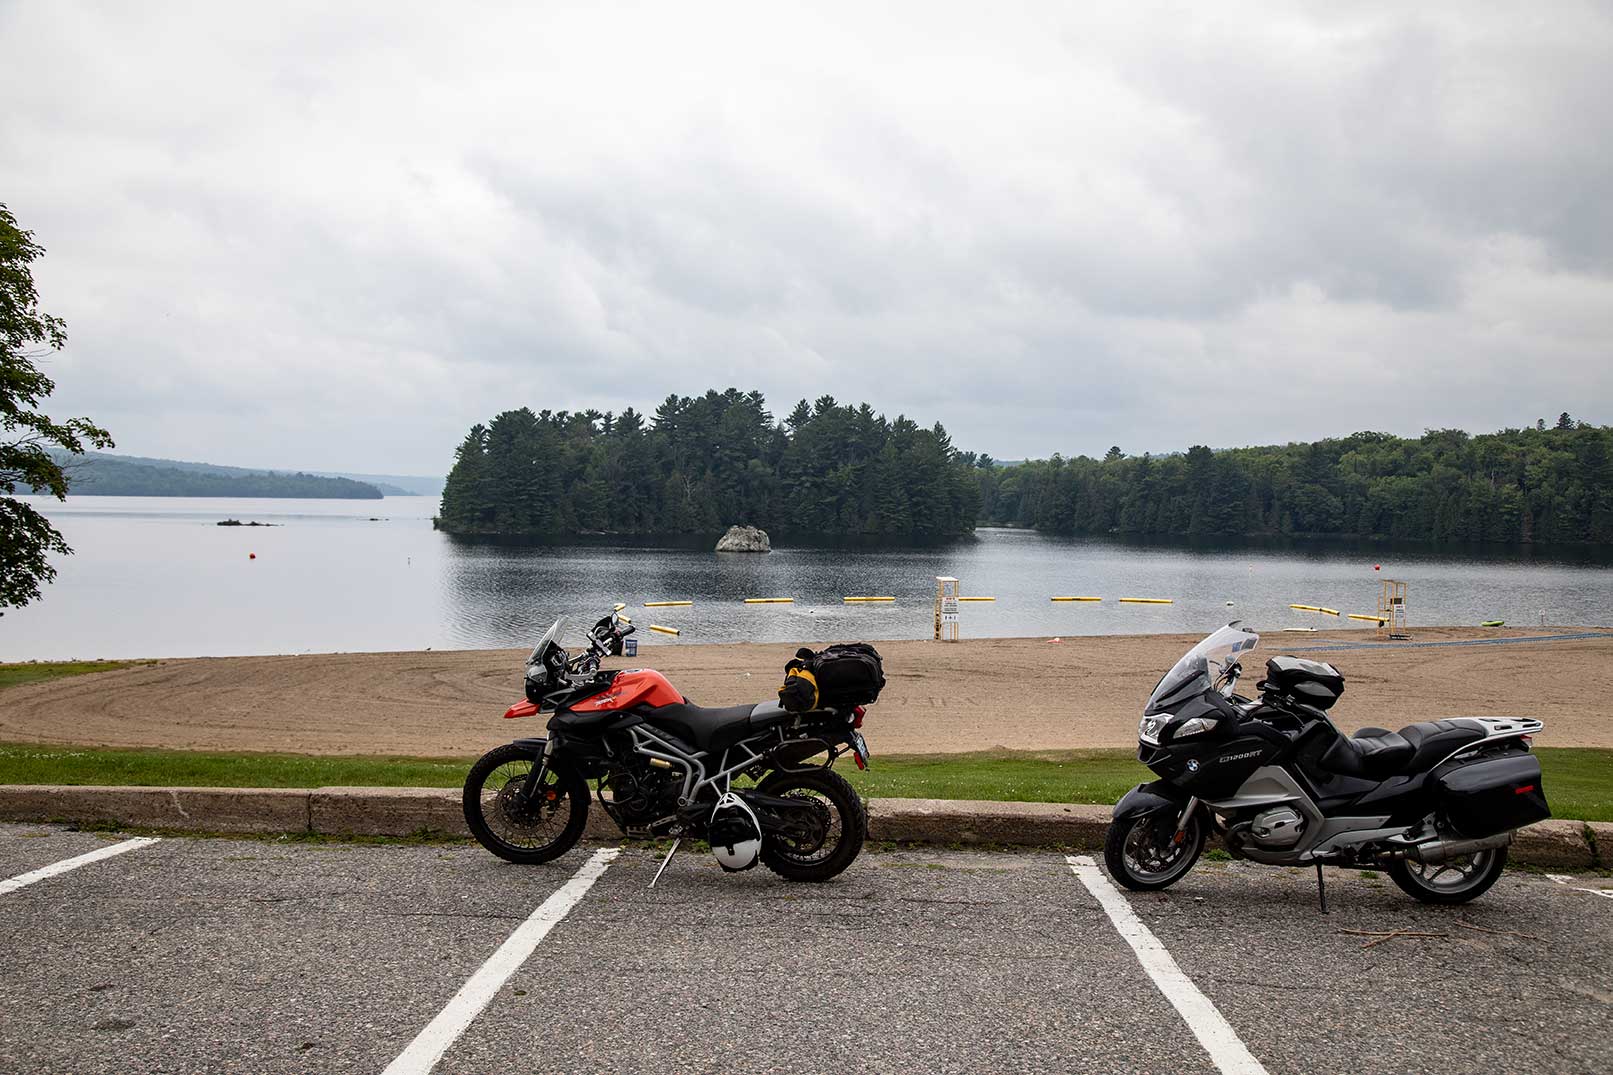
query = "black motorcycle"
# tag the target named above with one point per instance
(754, 781)
(1434, 804)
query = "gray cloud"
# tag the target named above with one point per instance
(335, 240)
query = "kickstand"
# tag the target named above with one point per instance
(666, 861)
(1321, 888)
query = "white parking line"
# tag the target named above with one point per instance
(1226, 1049)
(1566, 879)
(429, 1045)
(24, 879)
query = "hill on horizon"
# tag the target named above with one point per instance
(96, 464)
(104, 474)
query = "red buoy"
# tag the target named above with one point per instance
(1376, 566)
(251, 556)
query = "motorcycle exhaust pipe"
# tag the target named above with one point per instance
(1441, 849)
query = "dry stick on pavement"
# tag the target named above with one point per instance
(1390, 935)
(1499, 932)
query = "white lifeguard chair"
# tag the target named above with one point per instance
(1392, 610)
(946, 608)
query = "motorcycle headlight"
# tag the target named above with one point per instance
(1148, 730)
(1195, 726)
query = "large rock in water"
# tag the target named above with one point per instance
(744, 539)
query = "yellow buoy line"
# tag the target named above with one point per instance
(1316, 608)
(865, 599)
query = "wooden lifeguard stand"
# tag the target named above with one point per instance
(1392, 609)
(946, 608)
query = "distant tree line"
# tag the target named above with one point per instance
(829, 470)
(1541, 484)
(700, 464)
(106, 475)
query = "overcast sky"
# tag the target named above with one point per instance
(293, 235)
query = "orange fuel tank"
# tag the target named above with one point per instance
(635, 686)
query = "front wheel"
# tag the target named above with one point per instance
(514, 826)
(1455, 881)
(839, 825)
(1144, 854)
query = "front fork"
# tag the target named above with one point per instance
(534, 778)
(1181, 822)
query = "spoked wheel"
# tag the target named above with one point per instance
(1455, 881)
(514, 826)
(1144, 854)
(837, 826)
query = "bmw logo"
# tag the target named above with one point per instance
(1192, 765)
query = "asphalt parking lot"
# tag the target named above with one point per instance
(209, 955)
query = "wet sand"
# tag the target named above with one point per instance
(983, 694)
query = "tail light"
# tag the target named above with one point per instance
(858, 712)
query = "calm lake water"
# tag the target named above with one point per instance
(156, 577)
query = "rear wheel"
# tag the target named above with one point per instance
(1455, 881)
(511, 825)
(838, 826)
(1144, 854)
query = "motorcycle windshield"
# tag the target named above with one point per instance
(1202, 665)
(550, 637)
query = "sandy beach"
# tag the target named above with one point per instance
(1020, 694)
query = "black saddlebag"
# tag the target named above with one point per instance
(1315, 683)
(1492, 795)
(847, 675)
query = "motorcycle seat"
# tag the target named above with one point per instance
(1372, 753)
(1433, 740)
(714, 730)
(1375, 753)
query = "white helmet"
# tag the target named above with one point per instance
(734, 834)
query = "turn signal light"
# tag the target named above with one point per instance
(1523, 790)
(857, 719)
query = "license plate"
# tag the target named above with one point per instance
(859, 749)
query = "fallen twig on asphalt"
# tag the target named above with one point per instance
(1498, 932)
(1382, 936)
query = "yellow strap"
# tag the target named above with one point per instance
(803, 674)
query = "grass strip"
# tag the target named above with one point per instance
(15, 675)
(1578, 781)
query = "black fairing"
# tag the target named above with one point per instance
(1145, 799)
(1214, 764)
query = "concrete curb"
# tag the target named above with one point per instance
(339, 811)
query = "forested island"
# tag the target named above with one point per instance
(832, 470)
(101, 474)
(699, 464)
(1541, 484)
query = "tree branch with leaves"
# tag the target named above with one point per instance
(27, 435)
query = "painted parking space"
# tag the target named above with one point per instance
(24, 848)
(214, 955)
(65, 866)
(1516, 980)
(928, 961)
(195, 955)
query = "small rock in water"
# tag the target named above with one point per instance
(744, 539)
